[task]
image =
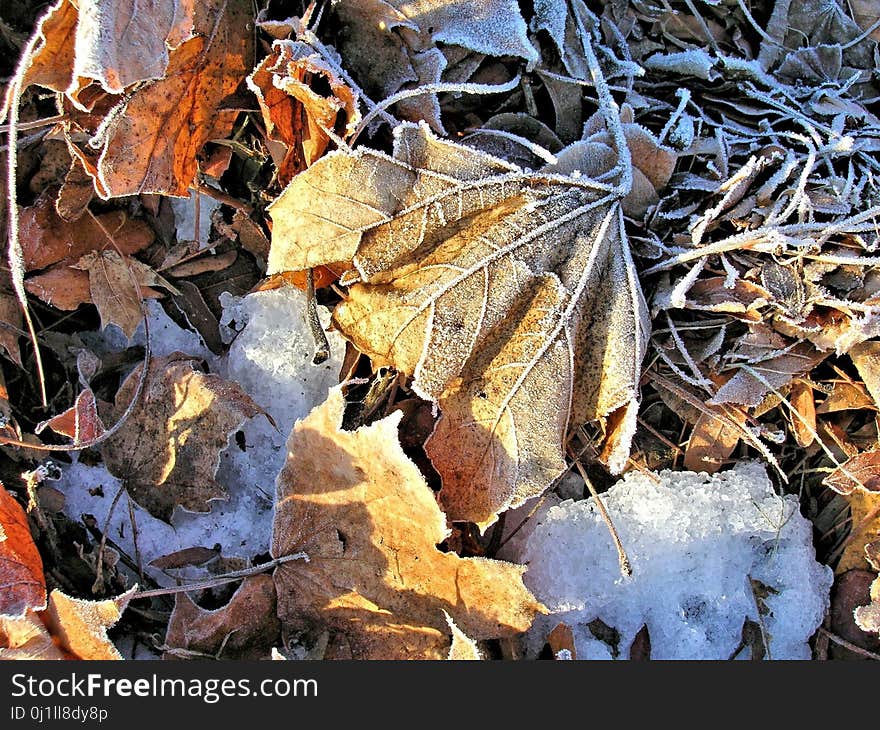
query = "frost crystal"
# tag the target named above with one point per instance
(706, 552)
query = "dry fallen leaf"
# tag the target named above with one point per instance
(755, 380)
(362, 513)
(61, 286)
(168, 450)
(865, 511)
(47, 239)
(245, 628)
(510, 296)
(153, 137)
(69, 628)
(80, 422)
(167, 68)
(863, 496)
(715, 435)
(866, 358)
(462, 648)
(866, 13)
(117, 286)
(653, 163)
(860, 472)
(803, 425)
(390, 44)
(295, 114)
(22, 584)
(115, 44)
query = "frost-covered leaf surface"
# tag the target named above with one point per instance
(68, 628)
(167, 452)
(451, 208)
(369, 525)
(499, 290)
(21, 568)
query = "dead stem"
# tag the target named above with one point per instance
(222, 579)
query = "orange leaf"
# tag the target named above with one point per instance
(61, 286)
(295, 114)
(80, 422)
(47, 239)
(802, 401)
(713, 439)
(862, 471)
(153, 137)
(324, 276)
(22, 585)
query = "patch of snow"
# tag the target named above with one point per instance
(694, 542)
(237, 524)
(271, 358)
(185, 217)
(166, 336)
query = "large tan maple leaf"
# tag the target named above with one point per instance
(510, 295)
(369, 528)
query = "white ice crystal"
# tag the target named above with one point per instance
(696, 543)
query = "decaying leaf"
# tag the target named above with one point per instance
(803, 425)
(866, 358)
(511, 297)
(866, 13)
(117, 287)
(47, 239)
(370, 526)
(168, 450)
(61, 286)
(652, 162)
(859, 479)
(295, 114)
(22, 584)
(115, 44)
(753, 381)
(167, 68)
(865, 525)
(846, 396)
(860, 472)
(390, 44)
(561, 639)
(80, 422)
(245, 628)
(69, 628)
(714, 437)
